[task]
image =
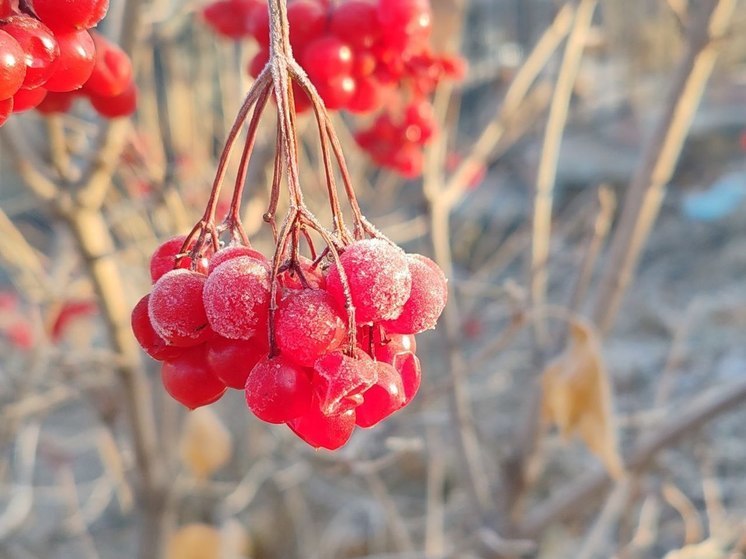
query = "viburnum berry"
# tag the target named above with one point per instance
(234, 251)
(26, 99)
(339, 381)
(176, 310)
(164, 258)
(313, 276)
(308, 325)
(55, 102)
(378, 277)
(356, 22)
(112, 70)
(232, 18)
(383, 398)
(307, 21)
(75, 63)
(232, 360)
(405, 21)
(367, 96)
(189, 379)
(278, 391)
(6, 107)
(116, 106)
(236, 297)
(327, 57)
(324, 431)
(12, 65)
(39, 46)
(397, 350)
(70, 15)
(146, 336)
(337, 91)
(426, 300)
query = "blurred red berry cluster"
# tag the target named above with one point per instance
(49, 56)
(369, 57)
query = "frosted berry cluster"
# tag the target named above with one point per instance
(365, 56)
(49, 56)
(336, 349)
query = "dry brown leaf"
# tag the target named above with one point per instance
(577, 396)
(205, 444)
(194, 541)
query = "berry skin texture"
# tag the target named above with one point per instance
(6, 107)
(39, 46)
(75, 63)
(232, 360)
(327, 57)
(277, 391)
(340, 380)
(189, 380)
(308, 325)
(426, 301)
(116, 106)
(234, 251)
(290, 279)
(146, 336)
(164, 258)
(12, 65)
(176, 310)
(378, 277)
(307, 20)
(237, 297)
(356, 23)
(69, 15)
(382, 399)
(56, 102)
(323, 431)
(112, 71)
(26, 99)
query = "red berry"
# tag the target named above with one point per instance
(6, 9)
(232, 18)
(12, 65)
(290, 278)
(237, 297)
(234, 251)
(69, 15)
(39, 46)
(258, 62)
(356, 22)
(116, 106)
(337, 91)
(382, 399)
(277, 390)
(367, 96)
(176, 309)
(54, 102)
(307, 20)
(112, 72)
(419, 122)
(164, 258)
(427, 298)
(189, 380)
(75, 63)
(326, 58)
(340, 380)
(146, 336)
(259, 26)
(323, 431)
(308, 325)
(378, 277)
(398, 350)
(6, 107)
(405, 22)
(26, 99)
(232, 360)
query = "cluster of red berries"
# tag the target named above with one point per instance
(208, 319)
(365, 56)
(48, 56)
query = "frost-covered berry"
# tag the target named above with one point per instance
(426, 301)
(190, 381)
(379, 280)
(176, 310)
(232, 360)
(146, 336)
(308, 325)
(277, 390)
(236, 297)
(164, 258)
(234, 251)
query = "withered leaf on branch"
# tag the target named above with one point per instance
(577, 398)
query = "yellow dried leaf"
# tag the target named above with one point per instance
(194, 541)
(708, 549)
(206, 444)
(576, 396)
